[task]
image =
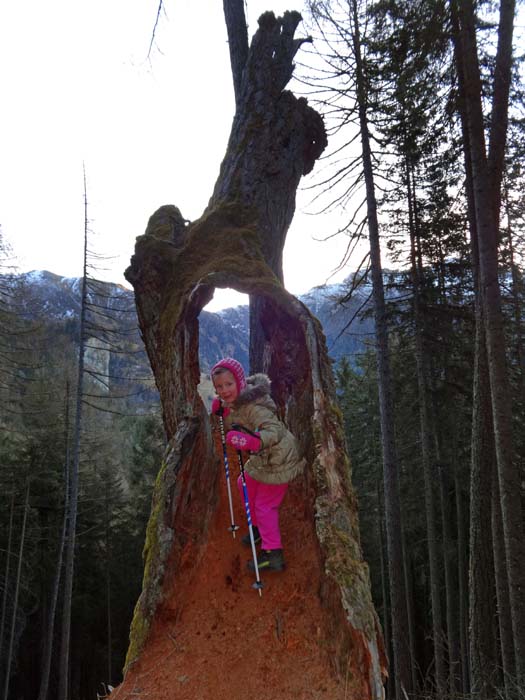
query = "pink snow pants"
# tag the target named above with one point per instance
(265, 500)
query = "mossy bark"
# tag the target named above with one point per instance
(174, 271)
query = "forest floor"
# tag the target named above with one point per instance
(217, 639)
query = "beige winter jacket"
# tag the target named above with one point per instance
(278, 460)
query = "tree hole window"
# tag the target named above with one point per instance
(224, 331)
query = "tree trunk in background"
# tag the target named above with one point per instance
(394, 524)
(384, 582)
(462, 585)
(409, 586)
(16, 593)
(108, 584)
(508, 662)
(427, 456)
(481, 566)
(7, 572)
(482, 657)
(486, 178)
(259, 347)
(450, 580)
(463, 546)
(517, 306)
(445, 441)
(63, 692)
(238, 242)
(50, 629)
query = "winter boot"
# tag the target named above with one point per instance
(256, 536)
(269, 560)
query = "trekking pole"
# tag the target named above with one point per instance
(258, 585)
(233, 526)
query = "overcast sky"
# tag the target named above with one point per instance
(76, 85)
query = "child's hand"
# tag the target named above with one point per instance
(218, 409)
(242, 441)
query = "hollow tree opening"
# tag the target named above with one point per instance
(223, 331)
(237, 243)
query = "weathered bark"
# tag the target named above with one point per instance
(275, 139)
(238, 42)
(486, 177)
(238, 243)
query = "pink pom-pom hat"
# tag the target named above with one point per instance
(235, 368)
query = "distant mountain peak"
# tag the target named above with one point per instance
(225, 332)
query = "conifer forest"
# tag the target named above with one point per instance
(423, 151)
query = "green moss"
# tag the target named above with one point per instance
(345, 565)
(339, 414)
(338, 530)
(137, 636)
(153, 555)
(222, 246)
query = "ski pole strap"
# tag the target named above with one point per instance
(244, 429)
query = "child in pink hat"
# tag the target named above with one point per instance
(274, 457)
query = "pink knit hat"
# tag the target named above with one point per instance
(235, 368)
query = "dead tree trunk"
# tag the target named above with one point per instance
(238, 242)
(280, 154)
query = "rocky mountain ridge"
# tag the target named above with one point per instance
(47, 296)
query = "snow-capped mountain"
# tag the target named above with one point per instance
(49, 296)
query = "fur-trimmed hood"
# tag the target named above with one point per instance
(257, 387)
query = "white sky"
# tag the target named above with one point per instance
(76, 85)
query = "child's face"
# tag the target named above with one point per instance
(226, 387)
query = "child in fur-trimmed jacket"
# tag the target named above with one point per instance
(274, 458)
